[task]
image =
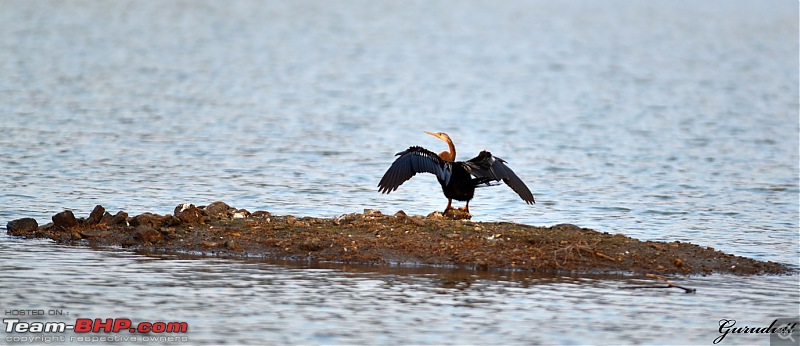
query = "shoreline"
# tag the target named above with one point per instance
(374, 238)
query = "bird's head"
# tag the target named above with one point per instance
(441, 135)
(448, 156)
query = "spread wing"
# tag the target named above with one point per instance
(410, 162)
(487, 166)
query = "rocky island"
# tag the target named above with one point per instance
(372, 237)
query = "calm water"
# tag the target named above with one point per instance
(662, 121)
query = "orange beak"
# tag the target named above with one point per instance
(435, 135)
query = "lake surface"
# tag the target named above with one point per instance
(662, 121)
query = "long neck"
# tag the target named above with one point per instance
(451, 155)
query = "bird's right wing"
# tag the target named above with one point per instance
(410, 162)
(487, 166)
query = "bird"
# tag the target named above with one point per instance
(457, 178)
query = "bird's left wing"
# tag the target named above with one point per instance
(487, 166)
(410, 162)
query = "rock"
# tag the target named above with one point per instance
(106, 219)
(435, 215)
(457, 214)
(345, 219)
(65, 219)
(372, 212)
(168, 233)
(96, 215)
(188, 213)
(121, 218)
(146, 234)
(311, 244)
(218, 211)
(241, 214)
(181, 208)
(151, 220)
(400, 215)
(24, 226)
(261, 214)
(233, 245)
(171, 220)
(567, 227)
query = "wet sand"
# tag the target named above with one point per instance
(374, 238)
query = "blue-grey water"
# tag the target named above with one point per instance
(660, 120)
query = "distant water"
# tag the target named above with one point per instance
(659, 120)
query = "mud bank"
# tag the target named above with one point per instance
(375, 238)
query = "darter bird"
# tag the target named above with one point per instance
(457, 178)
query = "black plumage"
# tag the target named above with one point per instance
(457, 178)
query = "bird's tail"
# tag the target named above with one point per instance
(483, 182)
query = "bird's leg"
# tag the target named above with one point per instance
(466, 208)
(449, 205)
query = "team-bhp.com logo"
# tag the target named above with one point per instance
(111, 327)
